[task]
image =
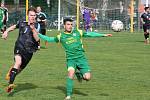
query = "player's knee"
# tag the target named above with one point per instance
(87, 76)
(18, 61)
(71, 73)
(148, 31)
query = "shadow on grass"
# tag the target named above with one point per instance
(75, 91)
(140, 41)
(43, 47)
(22, 87)
(104, 94)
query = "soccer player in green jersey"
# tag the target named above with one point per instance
(5, 16)
(1, 18)
(75, 56)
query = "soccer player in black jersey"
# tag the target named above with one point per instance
(145, 19)
(26, 44)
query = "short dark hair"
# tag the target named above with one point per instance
(67, 19)
(32, 9)
(146, 8)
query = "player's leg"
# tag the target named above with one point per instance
(8, 73)
(21, 61)
(69, 85)
(87, 76)
(1, 27)
(5, 22)
(44, 33)
(148, 31)
(14, 72)
(39, 42)
(146, 34)
(86, 25)
(79, 75)
(84, 68)
(95, 25)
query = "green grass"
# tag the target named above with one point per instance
(120, 70)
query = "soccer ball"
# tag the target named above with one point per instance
(117, 25)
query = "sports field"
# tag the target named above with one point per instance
(120, 70)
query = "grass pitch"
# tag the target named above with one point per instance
(120, 70)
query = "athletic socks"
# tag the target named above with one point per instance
(146, 35)
(69, 86)
(13, 74)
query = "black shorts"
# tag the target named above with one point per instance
(5, 20)
(26, 57)
(146, 27)
(43, 31)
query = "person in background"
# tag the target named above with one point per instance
(94, 19)
(5, 15)
(86, 12)
(2, 16)
(145, 19)
(41, 19)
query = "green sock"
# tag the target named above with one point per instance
(69, 86)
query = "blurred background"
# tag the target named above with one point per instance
(105, 11)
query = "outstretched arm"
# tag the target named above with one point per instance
(5, 34)
(95, 34)
(48, 39)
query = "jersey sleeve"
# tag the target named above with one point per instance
(93, 34)
(45, 15)
(143, 15)
(48, 39)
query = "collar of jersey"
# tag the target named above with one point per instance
(67, 32)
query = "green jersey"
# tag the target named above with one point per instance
(1, 17)
(1, 14)
(72, 44)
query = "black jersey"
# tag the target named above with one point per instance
(25, 39)
(146, 18)
(41, 16)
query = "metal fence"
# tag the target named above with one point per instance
(108, 10)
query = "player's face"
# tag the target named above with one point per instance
(38, 9)
(68, 26)
(2, 5)
(32, 16)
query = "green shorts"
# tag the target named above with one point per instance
(80, 63)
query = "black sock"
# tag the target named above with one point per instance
(4, 28)
(146, 35)
(13, 74)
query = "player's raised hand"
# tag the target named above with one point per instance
(108, 34)
(32, 26)
(5, 35)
